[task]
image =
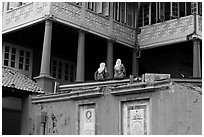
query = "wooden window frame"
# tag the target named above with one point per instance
(63, 69)
(17, 57)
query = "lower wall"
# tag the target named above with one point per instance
(176, 110)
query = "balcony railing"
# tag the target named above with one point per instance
(168, 32)
(90, 21)
(24, 15)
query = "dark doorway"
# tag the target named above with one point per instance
(11, 122)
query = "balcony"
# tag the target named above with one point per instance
(169, 32)
(159, 34)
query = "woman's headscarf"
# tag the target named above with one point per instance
(117, 64)
(101, 68)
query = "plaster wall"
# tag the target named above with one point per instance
(175, 110)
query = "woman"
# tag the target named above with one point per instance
(119, 70)
(101, 73)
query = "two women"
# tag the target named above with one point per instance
(119, 71)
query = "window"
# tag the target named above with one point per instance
(153, 13)
(62, 70)
(162, 11)
(167, 7)
(130, 14)
(105, 8)
(87, 120)
(200, 8)
(90, 5)
(13, 5)
(182, 9)
(17, 57)
(144, 15)
(193, 7)
(174, 10)
(21, 59)
(124, 12)
(6, 55)
(135, 117)
(99, 7)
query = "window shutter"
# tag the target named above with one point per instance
(98, 7)
(105, 8)
(123, 12)
(118, 12)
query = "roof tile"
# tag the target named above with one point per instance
(12, 76)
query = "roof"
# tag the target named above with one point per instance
(14, 79)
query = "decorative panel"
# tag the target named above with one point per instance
(199, 24)
(166, 31)
(135, 118)
(24, 14)
(124, 33)
(87, 119)
(97, 22)
(68, 11)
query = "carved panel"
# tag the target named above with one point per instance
(67, 10)
(18, 13)
(97, 22)
(199, 23)
(166, 30)
(23, 14)
(135, 117)
(124, 33)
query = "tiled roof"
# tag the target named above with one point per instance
(13, 78)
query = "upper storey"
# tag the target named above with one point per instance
(160, 22)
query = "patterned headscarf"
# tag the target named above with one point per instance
(102, 66)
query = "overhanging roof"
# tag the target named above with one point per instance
(12, 78)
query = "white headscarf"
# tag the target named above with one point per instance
(117, 64)
(102, 66)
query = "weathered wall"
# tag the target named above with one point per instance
(176, 110)
(180, 110)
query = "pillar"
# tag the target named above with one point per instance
(80, 56)
(26, 116)
(135, 71)
(196, 58)
(109, 59)
(44, 80)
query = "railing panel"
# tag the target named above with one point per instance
(97, 23)
(124, 33)
(166, 31)
(199, 25)
(67, 11)
(24, 14)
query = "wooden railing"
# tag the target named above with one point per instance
(168, 32)
(24, 15)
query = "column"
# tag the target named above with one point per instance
(135, 68)
(45, 61)
(109, 59)
(80, 57)
(44, 80)
(136, 50)
(196, 58)
(26, 122)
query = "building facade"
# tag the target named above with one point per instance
(62, 39)
(156, 105)
(64, 42)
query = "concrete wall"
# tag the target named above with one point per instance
(173, 110)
